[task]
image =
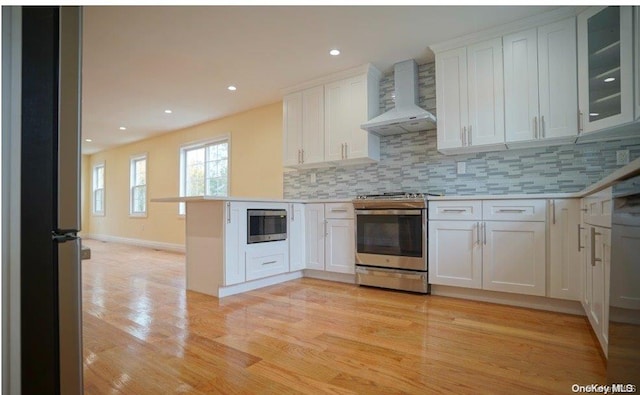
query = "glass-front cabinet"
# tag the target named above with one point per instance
(605, 68)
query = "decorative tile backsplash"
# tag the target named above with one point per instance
(411, 162)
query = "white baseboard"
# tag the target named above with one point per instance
(331, 276)
(255, 284)
(529, 301)
(136, 242)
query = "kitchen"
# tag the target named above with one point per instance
(409, 162)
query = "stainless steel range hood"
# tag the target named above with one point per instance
(407, 116)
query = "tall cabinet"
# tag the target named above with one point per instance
(303, 127)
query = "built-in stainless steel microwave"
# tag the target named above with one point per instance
(266, 225)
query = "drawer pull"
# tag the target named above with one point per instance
(511, 210)
(269, 262)
(453, 210)
(338, 210)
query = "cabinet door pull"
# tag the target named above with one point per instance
(511, 210)
(269, 262)
(552, 202)
(326, 231)
(535, 127)
(293, 213)
(228, 212)
(580, 121)
(453, 210)
(302, 160)
(484, 232)
(346, 150)
(478, 232)
(464, 136)
(338, 210)
(593, 246)
(580, 246)
(469, 142)
(542, 126)
(342, 153)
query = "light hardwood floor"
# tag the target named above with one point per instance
(145, 334)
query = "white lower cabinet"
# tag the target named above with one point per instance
(340, 246)
(564, 250)
(496, 255)
(297, 238)
(513, 257)
(314, 237)
(266, 259)
(455, 253)
(596, 281)
(235, 239)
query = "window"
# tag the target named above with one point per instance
(138, 186)
(98, 189)
(204, 169)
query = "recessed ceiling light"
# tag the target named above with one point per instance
(610, 79)
(334, 52)
(594, 114)
(168, 111)
(122, 128)
(231, 88)
(88, 140)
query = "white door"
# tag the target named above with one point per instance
(292, 129)
(335, 102)
(605, 77)
(315, 235)
(521, 85)
(564, 257)
(558, 79)
(513, 258)
(297, 237)
(235, 232)
(451, 97)
(455, 253)
(313, 125)
(486, 93)
(340, 246)
(357, 139)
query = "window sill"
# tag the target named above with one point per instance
(136, 215)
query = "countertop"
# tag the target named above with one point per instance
(627, 171)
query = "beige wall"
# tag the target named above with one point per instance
(255, 171)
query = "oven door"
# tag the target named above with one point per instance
(391, 238)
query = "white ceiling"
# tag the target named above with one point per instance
(139, 61)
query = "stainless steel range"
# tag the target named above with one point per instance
(391, 241)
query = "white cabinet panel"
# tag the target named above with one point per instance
(267, 259)
(564, 256)
(455, 253)
(340, 246)
(598, 208)
(598, 268)
(451, 97)
(521, 85)
(464, 210)
(558, 80)
(342, 210)
(605, 62)
(235, 232)
(626, 293)
(312, 125)
(514, 210)
(315, 236)
(514, 257)
(486, 93)
(292, 129)
(297, 238)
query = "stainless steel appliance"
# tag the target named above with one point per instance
(266, 225)
(45, 45)
(391, 241)
(623, 364)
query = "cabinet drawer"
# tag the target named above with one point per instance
(263, 264)
(514, 210)
(466, 210)
(339, 210)
(597, 208)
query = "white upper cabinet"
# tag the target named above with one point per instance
(605, 63)
(540, 78)
(303, 128)
(348, 104)
(322, 118)
(470, 98)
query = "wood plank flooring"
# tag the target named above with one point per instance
(145, 334)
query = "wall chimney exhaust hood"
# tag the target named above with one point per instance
(407, 116)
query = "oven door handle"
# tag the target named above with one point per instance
(389, 212)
